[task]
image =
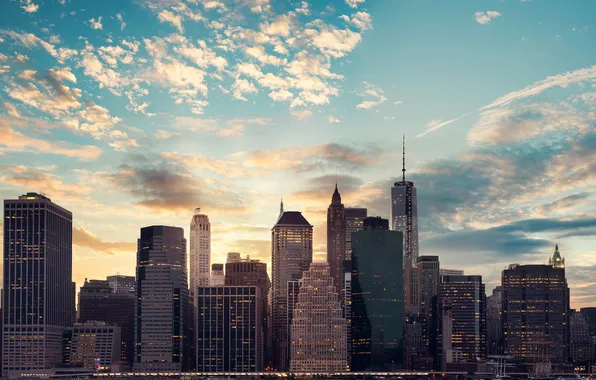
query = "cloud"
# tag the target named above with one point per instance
(333, 120)
(354, 3)
(160, 134)
(85, 239)
(14, 141)
(302, 114)
(371, 92)
(29, 6)
(27, 179)
(175, 20)
(121, 19)
(168, 186)
(12, 110)
(227, 168)
(30, 41)
(96, 23)
(433, 125)
(486, 17)
(361, 20)
(313, 157)
(222, 128)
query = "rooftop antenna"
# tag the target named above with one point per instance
(403, 170)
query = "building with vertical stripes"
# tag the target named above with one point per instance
(229, 329)
(37, 283)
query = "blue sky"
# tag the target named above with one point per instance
(132, 113)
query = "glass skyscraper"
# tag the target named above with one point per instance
(162, 300)
(404, 218)
(377, 309)
(38, 297)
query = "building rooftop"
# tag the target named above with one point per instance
(293, 218)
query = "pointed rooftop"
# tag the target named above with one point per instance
(292, 218)
(336, 198)
(557, 261)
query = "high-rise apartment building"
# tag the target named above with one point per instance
(218, 277)
(462, 322)
(542, 335)
(94, 345)
(229, 329)
(99, 302)
(581, 347)
(291, 255)
(377, 308)
(200, 251)
(336, 238)
(37, 283)
(122, 284)
(494, 324)
(162, 300)
(318, 330)
(404, 218)
(354, 223)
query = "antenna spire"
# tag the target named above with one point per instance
(403, 170)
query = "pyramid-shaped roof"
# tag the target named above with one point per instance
(293, 218)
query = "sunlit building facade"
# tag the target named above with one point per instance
(199, 251)
(377, 308)
(218, 277)
(535, 312)
(94, 344)
(318, 330)
(162, 300)
(38, 299)
(291, 255)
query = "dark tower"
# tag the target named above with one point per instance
(336, 238)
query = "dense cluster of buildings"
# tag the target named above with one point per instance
(375, 305)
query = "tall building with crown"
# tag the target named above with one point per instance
(318, 331)
(336, 238)
(200, 251)
(542, 335)
(291, 255)
(404, 218)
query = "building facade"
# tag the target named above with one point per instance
(450, 272)
(229, 329)
(99, 302)
(581, 347)
(336, 238)
(377, 307)
(37, 302)
(200, 251)
(93, 344)
(291, 255)
(542, 335)
(462, 323)
(218, 277)
(318, 330)
(354, 223)
(404, 218)
(122, 284)
(161, 319)
(494, 331)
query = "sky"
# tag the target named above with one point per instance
(134, 113)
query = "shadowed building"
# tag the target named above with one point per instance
(162, 300)
(404, 218)
(37, 283)
(494, 324)
(581, 347)
(336, 238)
(377, 309)
(541, 335)
(291, 255)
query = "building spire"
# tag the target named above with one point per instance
(403, 170)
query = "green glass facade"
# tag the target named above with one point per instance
(377, 297)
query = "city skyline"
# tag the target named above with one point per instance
(503, 164)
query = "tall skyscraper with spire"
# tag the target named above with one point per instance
(404, 218)
(336, 238)
(291, 255)
(200, 251)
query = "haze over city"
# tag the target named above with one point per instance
(134, 113)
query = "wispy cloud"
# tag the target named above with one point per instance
(486, 17)
(434, 125)
(372, 96)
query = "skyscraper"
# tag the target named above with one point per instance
(354, 223)
(543, 335)
(336, 238)
(377, 297)
(99, 302)
(122, 284)
(291, 255)
(462, 322)
(94, 343)
(494, 332)
(428, 268)
(217, 275)
(318, 332)
(581, 347)
(200, 251)
(37, 283)
(162, 299)
(229, 329)
(404, 218)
